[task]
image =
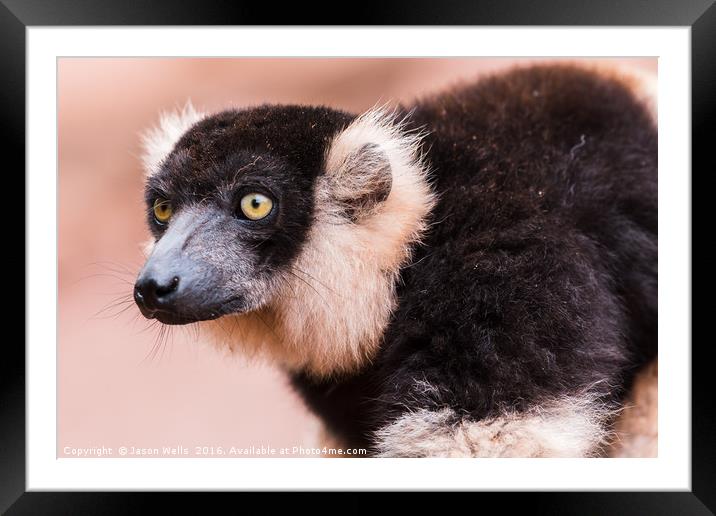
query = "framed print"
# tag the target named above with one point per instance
(428, 253)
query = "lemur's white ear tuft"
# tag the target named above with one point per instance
(371, 159)
(159, 141)
(361, 182)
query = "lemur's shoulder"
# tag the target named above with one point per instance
(526, 140)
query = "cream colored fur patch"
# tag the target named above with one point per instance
(636, 429)
(569, 427)
(633, 435)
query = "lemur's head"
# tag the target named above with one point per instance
(290, 222)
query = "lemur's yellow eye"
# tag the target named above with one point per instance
(162, 210)
(256, 206)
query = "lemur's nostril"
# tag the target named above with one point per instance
(163, 290)
(151, 294)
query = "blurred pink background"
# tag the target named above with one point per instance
(117, 386)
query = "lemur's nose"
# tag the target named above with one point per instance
(154, 294)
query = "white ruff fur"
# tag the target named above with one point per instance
(159, 141)
(568, 427)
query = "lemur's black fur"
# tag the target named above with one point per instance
(539, 275)
(536, 280)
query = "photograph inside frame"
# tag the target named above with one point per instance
(384, 257)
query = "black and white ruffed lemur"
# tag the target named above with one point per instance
(474, 274)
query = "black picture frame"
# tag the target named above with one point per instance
(17, 15)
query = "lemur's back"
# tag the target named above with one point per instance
(541, 258)
(548, 151)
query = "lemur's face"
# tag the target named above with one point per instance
(290, 221)
(230, 208)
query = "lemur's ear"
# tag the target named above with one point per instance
(361, 181)
(158, 141)
(374, 170)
